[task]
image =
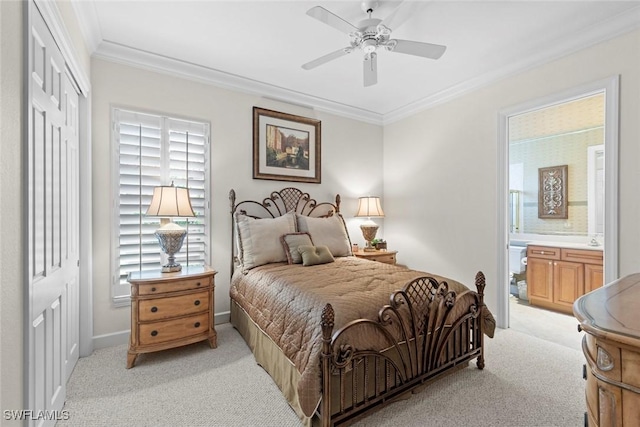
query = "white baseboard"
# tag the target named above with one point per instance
(122, 337)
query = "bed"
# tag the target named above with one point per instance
(342, 336)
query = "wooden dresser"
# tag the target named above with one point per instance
(557, 276)
(170, 310)
(610, 316)
(387, 257)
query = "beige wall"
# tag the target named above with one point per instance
(440, 166)
(351, 164)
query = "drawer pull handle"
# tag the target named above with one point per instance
(153, 289)
(579, 328)
(154, 333)
(198, 284)
(196, 302)
(604, 360)
(196, 325)
(541, 252)
(154, 309)
(584, 372)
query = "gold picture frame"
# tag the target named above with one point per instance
(552, 192)
(286, 147)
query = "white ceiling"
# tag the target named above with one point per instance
(259, 46)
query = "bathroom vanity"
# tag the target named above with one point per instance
(558, 274)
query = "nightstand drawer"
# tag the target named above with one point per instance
(164, 308)
(158, 332)
(386, 258)
(173, 286)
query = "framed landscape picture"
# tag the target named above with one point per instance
(285, 147)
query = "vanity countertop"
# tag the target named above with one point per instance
(567, 245)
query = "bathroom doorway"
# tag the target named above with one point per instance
(555, 134)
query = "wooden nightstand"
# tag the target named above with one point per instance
(387, 257)
(170, 310)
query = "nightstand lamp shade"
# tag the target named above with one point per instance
(170, 202)
(369, 207)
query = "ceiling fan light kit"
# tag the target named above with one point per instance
(371, 34)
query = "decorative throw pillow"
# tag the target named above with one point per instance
(259, 239)
(291, 242)
(330, 232)
(313, 255)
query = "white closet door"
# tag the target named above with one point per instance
(53, 223)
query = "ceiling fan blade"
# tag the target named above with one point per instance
(329, 18)
(426, 50)
(326, 58)
(370, 66)
(404, 11)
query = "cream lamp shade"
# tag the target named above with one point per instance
(170, 202)
(369, 207)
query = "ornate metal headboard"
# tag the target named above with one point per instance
(277, 204)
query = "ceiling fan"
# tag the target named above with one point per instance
(372, 34)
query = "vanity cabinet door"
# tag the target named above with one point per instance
(593, 277)
(539, 279)
(568, 282)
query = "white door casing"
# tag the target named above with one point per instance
(610, 87)
(53, 223)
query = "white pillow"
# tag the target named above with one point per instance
(259, 239)
(330, 232)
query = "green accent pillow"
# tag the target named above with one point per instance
(312, 255)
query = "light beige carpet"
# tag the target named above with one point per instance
(527, 382)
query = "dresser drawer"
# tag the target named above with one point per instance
(581, 255)
(173, 286)
(169, 330)
(631, 368)
(164, 308)
(544, 252)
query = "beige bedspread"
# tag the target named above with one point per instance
(286, 302)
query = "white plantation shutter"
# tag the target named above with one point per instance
(153, 150)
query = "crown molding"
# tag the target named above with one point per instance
(127, 55)
(88, 22)
(616, 26)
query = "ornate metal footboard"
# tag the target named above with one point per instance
(429, 332)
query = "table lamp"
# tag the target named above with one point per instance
(170, 202)
(369, 207)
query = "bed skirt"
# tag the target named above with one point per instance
(271, 358)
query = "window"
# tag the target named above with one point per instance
(152, 150)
